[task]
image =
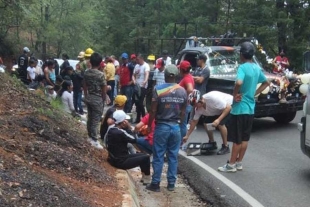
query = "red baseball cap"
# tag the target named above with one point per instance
(184, 65)
(132, 56)
(160, 63)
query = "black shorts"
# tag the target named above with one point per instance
(239, 128)
(211, 119)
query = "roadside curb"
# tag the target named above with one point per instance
(130, 196)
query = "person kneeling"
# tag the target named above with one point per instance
(117, 138)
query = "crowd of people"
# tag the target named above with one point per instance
(167, 98)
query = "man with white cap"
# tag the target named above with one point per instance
(23, 64)
(117, 138)
(81, 65)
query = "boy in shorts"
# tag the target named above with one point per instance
(215, 106)
(242, 113)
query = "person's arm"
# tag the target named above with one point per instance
(262, 87)
(129, 136)
(85, 88)
(193, 124)
(205, 75)
(225, 112)
(138, 126)
(153, 110)
(133, 77)
(28, 75)
(47, 77)
(110, 121)
(236, 95)
(189, 88)
(70, 103)
(146, 77)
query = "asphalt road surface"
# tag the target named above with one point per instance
(275, 172)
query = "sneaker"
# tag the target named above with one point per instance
(153, 187)
(147, 179)
(227, 168)
(239, 166)
(170, 187)
(224, 150)
(96, 144)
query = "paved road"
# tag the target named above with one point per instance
(276, 173)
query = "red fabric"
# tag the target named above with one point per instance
(283, 66)
(124, 74)
(188, 78)
(145, 120)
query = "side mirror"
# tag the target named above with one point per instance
(306, 61)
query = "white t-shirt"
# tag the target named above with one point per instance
(216, 102)
(67, 101)
(31, 72)
(139, 73)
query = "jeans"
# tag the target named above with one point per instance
(144, 145)
(167, 138)
(77, 101)
(116, 77)
(128, 92)
(111, 92)
(139, 105)
(184, 122)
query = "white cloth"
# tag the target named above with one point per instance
(116, 63)
(168, 61)
(51, 97)
(67, 101)
(139, 73)
(159, 77)
(31, 72)
(39, 71)
(216, 102)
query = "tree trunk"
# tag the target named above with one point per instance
(281, 25)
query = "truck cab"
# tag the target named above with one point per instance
(223, 62)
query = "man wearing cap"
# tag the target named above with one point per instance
(201, 74)
(23, 64)
(165, 58)
(168, 109)
(95, 88)
(159, 73)
(117, 139)
(188, 84)
(81, 65)
(126, 84)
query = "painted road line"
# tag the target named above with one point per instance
(247, 197)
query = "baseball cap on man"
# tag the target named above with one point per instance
(184, 65)
(120, 100)
(125, 55)
(201, 57)
(171, 70)
(133, 56)
(119, 116)
(160, 63)
(26, 49)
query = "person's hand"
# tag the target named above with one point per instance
(216, 123)
(143, 84)
(185, 138)
(149, 129)
(238, 97)
(107, 100)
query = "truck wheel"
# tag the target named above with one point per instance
(284, 118)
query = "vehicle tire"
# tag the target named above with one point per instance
(285, 118)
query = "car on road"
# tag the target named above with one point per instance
(223, 62)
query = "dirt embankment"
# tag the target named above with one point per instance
(45, 159)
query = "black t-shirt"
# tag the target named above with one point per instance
(77, 80)
(23, 62)
(104, 126)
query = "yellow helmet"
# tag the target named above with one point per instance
(88, 52)
(151, 57)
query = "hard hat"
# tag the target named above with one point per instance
(194, 97)
(88, 52)
(151, 57)
(26, 49)
(81, 54)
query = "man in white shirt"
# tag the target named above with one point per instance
(159, 73)
(165, 57)
(215, 106)
(140, 78)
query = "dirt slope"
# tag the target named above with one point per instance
(44, 157)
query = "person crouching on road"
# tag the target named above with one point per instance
(168, 108)
(242, 113)
(145, 140)
(117, 139)
(215, 106)
(108, 121)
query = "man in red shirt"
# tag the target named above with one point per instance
(188, 84)
(125, 72)
(280, 63)
(145, 143)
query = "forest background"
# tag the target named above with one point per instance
(53, 27)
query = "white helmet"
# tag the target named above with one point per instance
(194, 97)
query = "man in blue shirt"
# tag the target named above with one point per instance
(242, 113)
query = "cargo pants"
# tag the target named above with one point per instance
(95, 110)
